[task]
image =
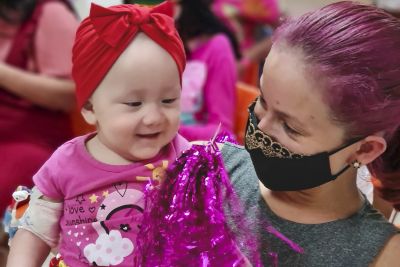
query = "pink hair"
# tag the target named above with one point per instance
(356, 48)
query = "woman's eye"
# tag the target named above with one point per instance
(289, 130)
(263, 102)
(133, 104)
(169, 101)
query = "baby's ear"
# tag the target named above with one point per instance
(88, 113)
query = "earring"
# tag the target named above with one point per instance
(356, 164)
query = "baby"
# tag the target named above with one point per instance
(88, 197)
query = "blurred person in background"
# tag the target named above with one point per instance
(390, 6)
(36, 92)
(253, 22)
(209, 81)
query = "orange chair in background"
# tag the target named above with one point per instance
(245, 95)
(251, 74)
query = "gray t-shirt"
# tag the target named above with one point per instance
(354, 241)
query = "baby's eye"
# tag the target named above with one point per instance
(169, 101)
(133, 104)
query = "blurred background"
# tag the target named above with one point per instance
(251, 39)
(289, 7)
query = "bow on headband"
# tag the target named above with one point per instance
(113, 24)
(104, 35)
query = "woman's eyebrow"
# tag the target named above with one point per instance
(299, 125)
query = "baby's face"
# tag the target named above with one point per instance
(137, 105)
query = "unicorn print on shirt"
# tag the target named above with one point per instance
(118, 218)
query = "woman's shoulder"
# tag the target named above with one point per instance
(389, 256)
(60, 13)
(215, 48)
(58, 16)
(230, 149)
(212, 44)
(370, 232)
(234, 156)
(54, 39)
(237, 162)
(221, 41)
(59, 7)
(221, 38)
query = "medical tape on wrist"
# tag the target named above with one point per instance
(42, 218)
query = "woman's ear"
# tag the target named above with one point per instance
(371, 148)
(88, 113)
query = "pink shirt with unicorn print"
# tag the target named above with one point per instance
(103, 204)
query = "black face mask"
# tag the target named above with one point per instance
(281, 170)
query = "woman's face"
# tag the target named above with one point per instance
(291, 109)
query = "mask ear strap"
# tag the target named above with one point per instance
(340, 172)
(351, 142)
(355, 140)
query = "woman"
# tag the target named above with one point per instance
(329, 103)
(35, 87)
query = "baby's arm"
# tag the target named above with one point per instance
(27, 250)
(39, 231)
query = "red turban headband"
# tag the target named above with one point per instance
(105, 34)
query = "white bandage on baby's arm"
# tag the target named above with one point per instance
(42, 218)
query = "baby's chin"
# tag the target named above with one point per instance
(146, 154)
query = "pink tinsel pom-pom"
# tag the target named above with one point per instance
(187, 221)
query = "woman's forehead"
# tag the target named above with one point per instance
(289, 88)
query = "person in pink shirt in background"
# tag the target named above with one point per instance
(247, 17)
(253, 22)
(36, 90)
(209, 81)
